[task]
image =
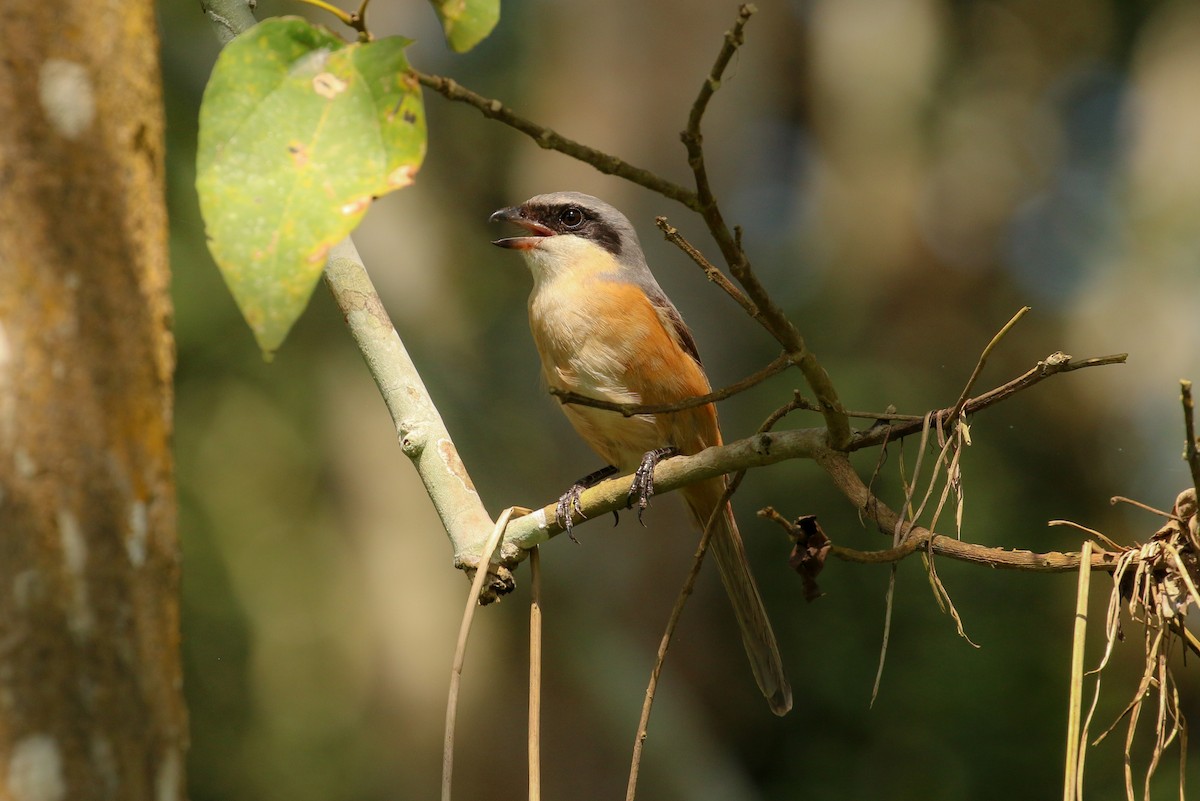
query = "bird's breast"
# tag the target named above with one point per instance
(601, 337)
(586, 336)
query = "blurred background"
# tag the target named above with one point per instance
(908, 174)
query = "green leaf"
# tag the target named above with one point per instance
(299, 132)
(467, 22)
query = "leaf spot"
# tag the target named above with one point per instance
(328, 85)
(356, 206)
(402, 176)
(299, 154)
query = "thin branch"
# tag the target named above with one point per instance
(344, 17)
(358, 21)
(693, 139)
(797, 402)
(838, 466)
(770, 315)
(764, 449)
(1002, 558)
(1114, 500)
(778, 365)
(983, 357)
(1190, 452)
(888, 415)
(734, 39)
(550, 139)
(1091, 532)
(714, 275)
(1053, 365)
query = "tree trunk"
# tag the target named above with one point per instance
(91, 703)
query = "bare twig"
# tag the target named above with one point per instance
(796, 403)
(983, 357)
(847, 480)
(1053, 365)
(359, 20)
(552, 140)
(1190, 452)
(886, 415)
(1100, 536)
(778, 365)
(711, 271)
(1001, 558)
(1114, 500)
(770, 315)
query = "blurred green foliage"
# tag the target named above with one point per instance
(908, 175)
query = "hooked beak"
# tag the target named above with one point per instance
(514, 214)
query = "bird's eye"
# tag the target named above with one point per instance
(571, 217)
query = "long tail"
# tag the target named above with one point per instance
(757, 637)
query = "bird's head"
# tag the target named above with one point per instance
(562, 228)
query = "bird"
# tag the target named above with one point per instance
(605, 329)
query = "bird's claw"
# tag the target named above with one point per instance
(642, 487)
(569, 504)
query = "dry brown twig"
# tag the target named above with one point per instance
(1191, 448)
(1054, 364)
(711, 271)
(729, 242)
(550, 139)
(1157, 587)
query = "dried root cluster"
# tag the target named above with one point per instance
(1155, 584)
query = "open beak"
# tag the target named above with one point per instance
(514, 214)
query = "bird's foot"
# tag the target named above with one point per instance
(568, 503)
(643, 479)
